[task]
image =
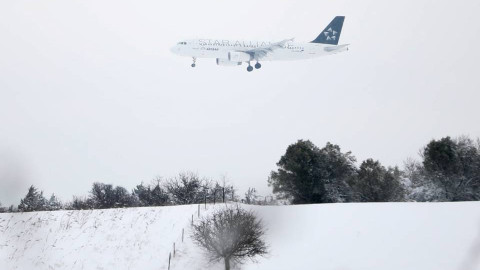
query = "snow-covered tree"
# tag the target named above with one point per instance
(33, 201)
(416, 184)
(449, 171)
(53, 204)
(251, 196)
(2, 209)
(453, 165)
(219, 191)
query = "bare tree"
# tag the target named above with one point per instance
(187, 188)
(232, 234)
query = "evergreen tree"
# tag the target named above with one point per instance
(307, 174)
(374, 183)
(151, 195)
(158, 196)
(33, 201)
(54, 204)
(144, 195)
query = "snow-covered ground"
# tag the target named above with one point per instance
(383, 236)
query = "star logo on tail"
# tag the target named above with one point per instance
(330, 34)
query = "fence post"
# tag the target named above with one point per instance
(173, 249)
(169, 258)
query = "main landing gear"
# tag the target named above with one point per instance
(194, 60)
(250, 68)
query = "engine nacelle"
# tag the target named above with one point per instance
(239, 57)
(225, 62)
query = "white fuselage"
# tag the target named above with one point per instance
(220, 49)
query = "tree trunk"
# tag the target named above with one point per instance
(227, 263)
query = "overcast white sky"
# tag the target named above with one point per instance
(89, 90)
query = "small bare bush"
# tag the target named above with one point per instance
(232, 234)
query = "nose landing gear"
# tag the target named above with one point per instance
(194, 60)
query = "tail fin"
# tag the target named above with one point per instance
(331, 34)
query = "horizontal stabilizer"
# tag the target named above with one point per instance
(339, 48)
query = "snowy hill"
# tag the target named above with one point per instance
(424, 236)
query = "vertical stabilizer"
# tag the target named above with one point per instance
(331, 34)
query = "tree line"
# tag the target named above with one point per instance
(186, 188)
(448, 170)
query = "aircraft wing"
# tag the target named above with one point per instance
(261, 52)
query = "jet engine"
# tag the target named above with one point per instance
(239, 57)
(225, 62)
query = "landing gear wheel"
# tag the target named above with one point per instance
(193, 65)
(258, 65)
(194, 60)
(249, 68)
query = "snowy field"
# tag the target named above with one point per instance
(383, 236)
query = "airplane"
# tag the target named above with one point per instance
(235, 52)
